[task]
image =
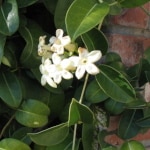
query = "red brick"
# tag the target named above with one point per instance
(134, 17)
(130, 48)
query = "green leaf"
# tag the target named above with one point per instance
(139, 104)
(88, 136)
(13, 144)
(10, 89)
(60, 13)
(65, 145)
(31, 33)
(94, 93)
(9, 57)
(147, 73)
(115, 85)
(134, 3)
(144, 122)
(2, 44)
(128, 127)
(78, 113)
(21, 134)
(51, 136)
(25, 3)
(132, 145)
(114, 107)
(32, 113)
(83, 15)
(112, 57)
(56, 103)
(95, 40)
(9, 17)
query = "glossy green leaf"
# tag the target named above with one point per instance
(87, 136)
(9, 57)
(138, 104)
(115, 85)
(9, 17)
(25, 3)
(144, 122)
(114, 107)
(112, 57)
(65, 145)
(36, 93)
(95, 40)
(10, 89)
(60, 13)
(78, 113)
(51, 136)
(94, 94)
(13, 144)
(32, 113)
(130, 4)
(56, 103)
(31, 33)
(21, 134)
(2, 44)
(83, 15)
(128, 127)
(132, 145)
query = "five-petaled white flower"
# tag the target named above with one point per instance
(58, 42)
(85, 62)
(58, 69)
(46, 73)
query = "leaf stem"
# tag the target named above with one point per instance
(84, 87)
(80, 101)
(6, 125)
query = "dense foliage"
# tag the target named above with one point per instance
(75, 114)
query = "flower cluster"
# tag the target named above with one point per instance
(57, 65)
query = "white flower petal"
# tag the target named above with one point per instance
(80, 72)
(52, 39)
(56, 59)
(67, 74)
(60, 50)
(65, 40)
(92, 69)
(43, 80)
(75, 60)
(51, 83)
(82, 52)
(67, 64)
(57, 78)
(94, 56)
(59, 33)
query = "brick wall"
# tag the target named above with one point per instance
(129, 36)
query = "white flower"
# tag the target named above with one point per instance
(46, 74)
(58, 69)
(59, 42)
(85, 62)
